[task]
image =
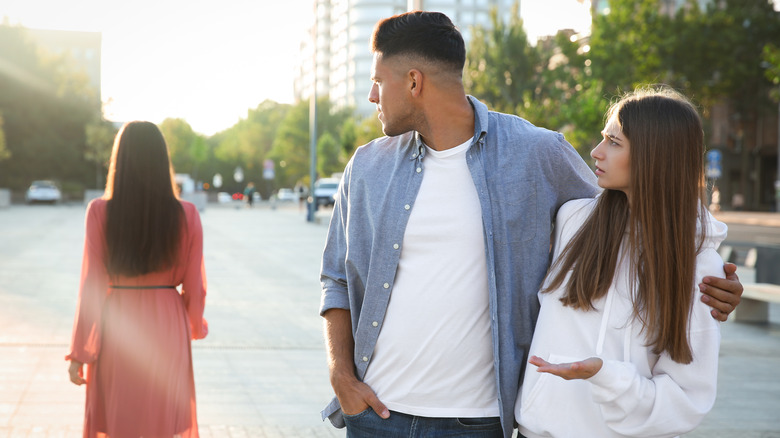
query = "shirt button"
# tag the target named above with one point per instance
(419, 170)
(414, 155)
(365, 359)
(375, 323)
(396, 246)
(407, 206)
(387, 285)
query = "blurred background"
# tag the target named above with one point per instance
(230, 83)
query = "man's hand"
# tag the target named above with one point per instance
(584, 369)
(76, 372)
(355, 397)
(723, 295)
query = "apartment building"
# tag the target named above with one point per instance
(341, 35)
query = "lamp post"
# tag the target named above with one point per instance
(777, 174)
(313, 121)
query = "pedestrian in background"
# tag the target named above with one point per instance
(621, 319)
(132, 326)
(249, 194)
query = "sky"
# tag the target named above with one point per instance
(209, 61)
(205, 61)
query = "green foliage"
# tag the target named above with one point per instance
(549, 84)
(4, 152)
(501, 67)
(740, 30)
(771, 58)
(291, 146)
(99, 142)
(45, 107)
(630, 45)
(368, 129)
(328, 155)
(179, 137)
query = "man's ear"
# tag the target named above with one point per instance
(415, 82)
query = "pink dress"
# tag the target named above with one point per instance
(136, 342)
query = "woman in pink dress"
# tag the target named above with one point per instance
(133, 327)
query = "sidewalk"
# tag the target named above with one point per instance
(765, 219)
(261, 372)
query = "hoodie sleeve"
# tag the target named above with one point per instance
(677, 396)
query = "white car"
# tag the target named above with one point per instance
(325, 190)
(43, 191)
(286, 195)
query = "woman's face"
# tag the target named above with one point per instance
(612, 158)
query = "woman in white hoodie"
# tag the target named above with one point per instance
(622, 346)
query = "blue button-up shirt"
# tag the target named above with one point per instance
(522, 174)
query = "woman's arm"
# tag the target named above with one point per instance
(93, 289)
(194, 283)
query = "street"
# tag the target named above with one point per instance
(261, 372)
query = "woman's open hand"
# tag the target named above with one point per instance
(584, 369)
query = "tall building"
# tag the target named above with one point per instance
(342, 31)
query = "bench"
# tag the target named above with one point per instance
(754, 306)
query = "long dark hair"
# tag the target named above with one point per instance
(667, 192)
(144, 216)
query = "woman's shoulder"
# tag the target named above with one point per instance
(191, 213)
(189, 208)
(96, 207)
(576, 208)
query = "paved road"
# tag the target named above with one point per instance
(261, 372)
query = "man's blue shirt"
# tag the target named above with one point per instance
(522, 174)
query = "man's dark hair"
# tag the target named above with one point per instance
(429, 35)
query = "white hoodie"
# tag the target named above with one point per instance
(636, 393)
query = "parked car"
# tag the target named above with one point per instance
(224, 197)
(325, 190)
(43, 191)
(286, 195)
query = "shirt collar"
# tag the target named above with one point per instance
(480, 128)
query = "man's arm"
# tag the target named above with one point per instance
(354, 395)
(722, 294)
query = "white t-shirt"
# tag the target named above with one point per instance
(434, 354)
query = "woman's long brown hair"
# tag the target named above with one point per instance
(144, 216)
(667, 192)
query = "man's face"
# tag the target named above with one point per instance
(390, 93)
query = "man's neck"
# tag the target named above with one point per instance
(449, 123)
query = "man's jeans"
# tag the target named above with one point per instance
(368, 424)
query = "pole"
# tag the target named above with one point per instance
(313, 123)
(777, 173)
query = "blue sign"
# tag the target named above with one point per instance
(714, 168)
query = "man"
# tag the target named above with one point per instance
(439, 240)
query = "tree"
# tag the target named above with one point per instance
(179, 137)
(771, 58)
(328, 155)
(4, 152)
(291, 145)
(248, 143)
(631, 45)
(45, 105)
(550, 84)
(501, 66)
(100, 135)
